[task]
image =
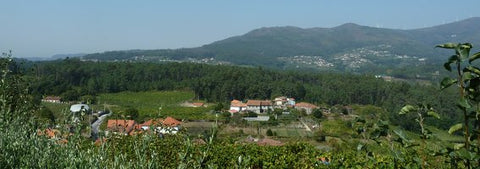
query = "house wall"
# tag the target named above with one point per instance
(256, 109)
(307, 110)
(237, 108)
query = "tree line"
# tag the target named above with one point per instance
(72, 79)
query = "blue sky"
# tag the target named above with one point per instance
(44, 28)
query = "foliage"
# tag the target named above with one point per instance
(131, 113)
(269, 132)
(317, 113)
(422, 112)
(468, 82)
(219, 107)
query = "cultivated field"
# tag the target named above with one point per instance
(156, 103)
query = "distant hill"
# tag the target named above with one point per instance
(63, 56)
(55, 57)
(348, 47)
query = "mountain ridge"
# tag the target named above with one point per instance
(278, 47)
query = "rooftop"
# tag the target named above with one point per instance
(259, 103)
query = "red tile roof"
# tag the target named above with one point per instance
(259, 103)
(52, 98)
(121, 125)
(50, 133)
(197, 104)
(237, 103)
(170, 121)
(306, 105)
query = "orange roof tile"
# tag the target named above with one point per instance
(259, 103)
(52, 98)
(121, 125)
(50, 133)
(153, 122)
(306, 105)
(197, 104)
(237, 103)
(170, 121)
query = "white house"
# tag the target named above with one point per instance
(237, 106)
(282, 102)
(52, 99)
(259, 106)
(78, 107)
(308, 107)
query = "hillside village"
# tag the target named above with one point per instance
(264, 109)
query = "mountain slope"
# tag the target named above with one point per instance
(349, 47)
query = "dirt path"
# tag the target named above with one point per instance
(306, 126)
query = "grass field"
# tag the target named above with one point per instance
(156, 103)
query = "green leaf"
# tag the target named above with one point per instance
(447, 82)
(401, 134)
(467, 76)
(433, 114)
(458, 146)
(473, 69)
(474, 57)
(447, 66)
(359, 147)
(407, 109)
(465, 154)
(464, 104)
(448, 45)
(452, 59)
(455, 128)
(464, 50)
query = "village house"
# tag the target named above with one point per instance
(79, 107)
(168, 125)
(121, 126)
(52, 99)
(237, 106)
(259, 106)
(284, 102)
(198, 104)
(308, 107)
(53, 134)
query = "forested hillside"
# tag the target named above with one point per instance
(345, 48)
(72, 78)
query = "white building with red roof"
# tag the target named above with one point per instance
(237, 106)
(308, 107)
(259, 106)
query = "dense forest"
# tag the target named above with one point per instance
(72, 79)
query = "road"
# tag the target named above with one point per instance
(96, 124)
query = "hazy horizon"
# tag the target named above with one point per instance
(43, 29)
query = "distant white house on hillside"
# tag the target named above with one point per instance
(259, 106)
(283, 102)
(237, 106)
(52, 99)
(308, 107)
(78, 108)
